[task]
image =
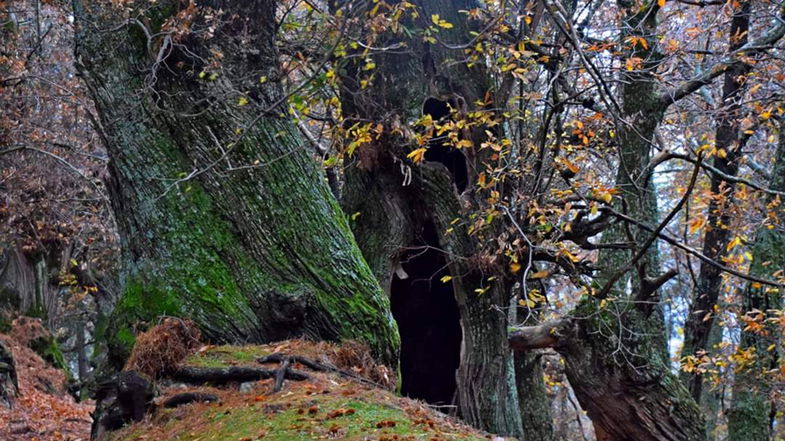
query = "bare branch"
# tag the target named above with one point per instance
(752, 48)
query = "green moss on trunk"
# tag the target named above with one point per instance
(223, 217)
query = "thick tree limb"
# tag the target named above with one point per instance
(547, 335)
(280, 375)
(189, 397)
(314, 365)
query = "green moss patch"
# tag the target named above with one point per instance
(222, 356)
(326, 407)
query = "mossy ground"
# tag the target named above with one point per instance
(222, 356)
(326, 407)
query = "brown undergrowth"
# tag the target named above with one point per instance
(43, 411)
(163, 347)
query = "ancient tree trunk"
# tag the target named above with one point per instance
(395, 215)
(749, 418)
(222, 214)
(621, 376)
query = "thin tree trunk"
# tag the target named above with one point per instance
(223, 216)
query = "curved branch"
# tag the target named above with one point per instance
(752, 48)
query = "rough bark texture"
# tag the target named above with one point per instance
(750, 415)
(250, 244)
(393, 215)
(532, 397)
(28, 283)
(620, 374)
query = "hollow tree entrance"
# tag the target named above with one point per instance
(428, 320)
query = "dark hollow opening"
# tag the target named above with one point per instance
(428, 321)
(440, 151)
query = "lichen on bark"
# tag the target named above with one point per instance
(223, 216)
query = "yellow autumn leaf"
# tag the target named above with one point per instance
(242, 101)
(734, 243)
(515, 267)
(661, 3)
(463, 143)
(540, 274)
(445, 279)
(417, 155)
(695, 224)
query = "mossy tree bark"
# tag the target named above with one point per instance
(750, 415)
(394, 212)
(223, 215)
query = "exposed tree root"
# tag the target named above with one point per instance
(315, 366)
(201, 375)
(189, 397)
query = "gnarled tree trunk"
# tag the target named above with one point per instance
(223, 216)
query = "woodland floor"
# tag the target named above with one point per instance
(44, 411)
(328, 406)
